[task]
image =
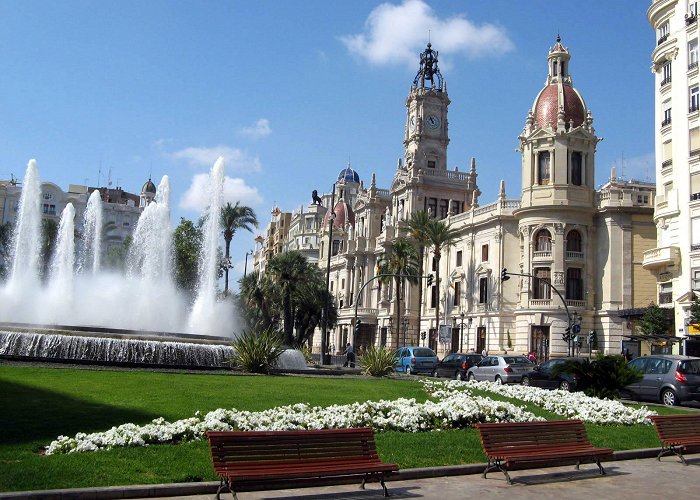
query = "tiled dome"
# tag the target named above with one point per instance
(348, 175)
(343, 215)
(549, 100)
(148, 187)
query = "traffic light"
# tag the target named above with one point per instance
(358, 323)
(504, 274)
(567, 333)
(430, 280)
(592, 338)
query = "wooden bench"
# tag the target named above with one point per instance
(261, 456)
(537, 443)
(677, 433)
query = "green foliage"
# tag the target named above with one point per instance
(234, 218)
(377, 361)
(257, 350)
(695, 310)
(655, 321)
(187, 242)
(115, 256)
(602, 377)
(401, 260)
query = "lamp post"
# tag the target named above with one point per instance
(469, 326)
(461, 333)
(391, 325)
(245, 268)
(324, 330)
(404, 324)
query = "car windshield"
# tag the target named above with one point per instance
(423, 353)
(691, 367)
(510, 360)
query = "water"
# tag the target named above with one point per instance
(79, 292)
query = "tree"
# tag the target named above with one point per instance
(655, 321)
(234, 217)
(115, 256)
(187, 242)
(309, 305)
(5, 247)
(440, 236)
(417, 231)
(256, 296)
(288, 270)
(401, 261)
(695, 310)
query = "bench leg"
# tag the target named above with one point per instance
(496, 465)
(381, 481)
(364, 480)
(602, 471)
(678, 451)
(225, 485)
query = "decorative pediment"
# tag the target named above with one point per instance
(483, 269)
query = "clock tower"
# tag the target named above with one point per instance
(426, 136)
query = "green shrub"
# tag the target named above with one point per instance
(306, 351)
(257, 350)
(377, 362)
(602, 377)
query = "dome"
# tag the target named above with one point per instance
(343, 215)
(348, 175)
(148, 187)
(557, 96)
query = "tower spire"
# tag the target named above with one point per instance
(428, 70)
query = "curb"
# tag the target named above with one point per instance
(210, 487)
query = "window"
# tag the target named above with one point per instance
(574, 284)
(48, 196)
(695, 233)
(432, 207)
(485, 253)
(543, 241)
(458, 262)
(458, 293)
(540, 284)
(433, 296)
(331, 286)
(576, 168)
(667, 113)
(49, 209)
(696, 279)
(342, 283)
(694, 103)
(666, 293)
(431, 163)
(693, 54)
(455, 207)
(573, 241)
(336, 247)
(543, 168)
(695, 187)
(663, 32)
(483, 290)
(667, 153)
(666, 73)
(443, 208)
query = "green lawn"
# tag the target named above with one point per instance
(38, 404)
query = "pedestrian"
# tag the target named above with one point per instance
(349, 356)
(484, 352)
(532, 357)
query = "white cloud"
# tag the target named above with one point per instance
(258, 130)
(197, 196)
(395, 34)
(236, 159)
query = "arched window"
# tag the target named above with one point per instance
(573, 241)
(543, 168)
(576, 168)
(543, 241)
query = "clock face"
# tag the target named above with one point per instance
(433, 121)
(412, 123)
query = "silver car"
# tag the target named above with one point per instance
(502, 369)
(671, 379)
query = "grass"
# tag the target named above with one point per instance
(38, 404)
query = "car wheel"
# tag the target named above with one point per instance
(499, 380)
(458, 375)
(669, 398)
(525, 381)
(435, 373)
(471, 376)
(408, 370)
(564, 386)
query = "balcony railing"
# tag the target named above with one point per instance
(694, 247)
(540, 302)
(695, 197)
(693, 107)
(665, 81)
(666, 164)
(574, 255)
(660, 257)
(667, 121)
(662, 39)
(542, 255)
(692, 65)
(695, 152)
(575, 303)
(690, 19)
(665, 297)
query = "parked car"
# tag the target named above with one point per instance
(671, 379)
(455, 365)
(502, 369)
(543, 375)
(415, 360)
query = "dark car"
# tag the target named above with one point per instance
(669, 379)
(455, 365)
(545, 376)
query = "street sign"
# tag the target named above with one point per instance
(576, 328)
(445, 334)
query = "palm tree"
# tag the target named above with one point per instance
(288, 271)
(402, 262)
(439, 236)
(416, 230)
(257, 298)
(234, 217)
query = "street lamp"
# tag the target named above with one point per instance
(245, 268)
(469, 325)
(461, 332)
(324, 330)
(404, 323)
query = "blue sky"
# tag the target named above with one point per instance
(290, 91)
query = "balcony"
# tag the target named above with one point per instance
(665, 298)
(692, 66)
(666, 121)
(662, 39)
(690, 19)
(543, 255)
(666, 166)
(665, 81)
(694, 247)
(694, 152)
(575, 303)
(574, 255)
(540, 302)
(660, 257)
(693, 107)
(695, 197)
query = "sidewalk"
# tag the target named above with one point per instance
(638, 479)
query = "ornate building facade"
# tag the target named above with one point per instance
(560, 236)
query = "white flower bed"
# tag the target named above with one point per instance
(454, 410)
(574, 405)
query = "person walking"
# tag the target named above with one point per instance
(349, 356)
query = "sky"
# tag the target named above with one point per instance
(291, 91)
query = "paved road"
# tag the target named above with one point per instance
(628, 479)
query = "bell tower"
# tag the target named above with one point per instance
(426, 137)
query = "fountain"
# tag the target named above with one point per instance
(135, 317)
